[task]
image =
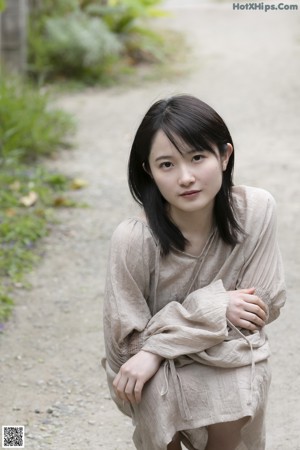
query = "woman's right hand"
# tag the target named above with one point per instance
(246, 310)
(132, 376)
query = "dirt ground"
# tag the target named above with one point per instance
(245, 64)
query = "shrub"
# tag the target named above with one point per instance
(91, 40)
(77, 46)
(28, 127)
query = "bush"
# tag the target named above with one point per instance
(76, 46)
(91, 40)
(28, 127)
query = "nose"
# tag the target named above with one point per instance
(186, 176)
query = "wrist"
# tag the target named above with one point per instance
(157, 357)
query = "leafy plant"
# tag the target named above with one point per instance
(6, 305)
(77, 46)
(28, 127)
(121, 15)
(91, 40)
(129, 19)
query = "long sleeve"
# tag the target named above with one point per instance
(193, 326)
(262, 267)
(198, 323)
(127, 288)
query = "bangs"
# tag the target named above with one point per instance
(186, 141)
(186, 129)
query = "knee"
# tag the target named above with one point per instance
(226, 436)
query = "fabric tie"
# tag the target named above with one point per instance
(252, 359)
(169, 367)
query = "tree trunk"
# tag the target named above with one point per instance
(14, 35)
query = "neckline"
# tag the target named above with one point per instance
(205, 248)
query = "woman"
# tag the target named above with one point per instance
(191, 284)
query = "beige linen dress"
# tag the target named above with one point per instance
(175, 306)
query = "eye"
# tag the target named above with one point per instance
(166, 165)
(198, 157)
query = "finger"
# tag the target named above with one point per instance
(255, 309)
(117, 379)
(251, 298)
(255, 304)
(253, 318)
(247, 291)
(129, 390)
(247, 325)
(138, 391)
(119, 388)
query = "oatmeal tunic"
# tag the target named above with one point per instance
(175, 306)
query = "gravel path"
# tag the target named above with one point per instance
(245, 64)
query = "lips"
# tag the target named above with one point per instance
(187, 193)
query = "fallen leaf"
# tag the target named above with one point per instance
(29, 200)
(61, 201)
(15, 186)
(78, 183)
(10, 212)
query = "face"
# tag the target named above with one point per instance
(189, 181)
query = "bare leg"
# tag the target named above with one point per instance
(225, 436)
(175, 444)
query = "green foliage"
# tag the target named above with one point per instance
(28, 192)
(2, 5)
(77, 46)
(23, 224)
(90, 40)
(6, 304)
(18, 236)
(28, 127)
(122, 15)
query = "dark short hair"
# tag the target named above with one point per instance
(183, 118)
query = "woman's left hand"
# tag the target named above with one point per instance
(132, 376)
(246, 310)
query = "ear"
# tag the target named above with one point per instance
(226, 156)
(148, 171)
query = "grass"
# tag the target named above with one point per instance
(29, 130)
(28, 198)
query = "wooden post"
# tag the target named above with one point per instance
(13, 39)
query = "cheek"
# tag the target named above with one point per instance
(163, 186)
(213, 175)
(159, 180)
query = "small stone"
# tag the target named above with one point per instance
(46, 422)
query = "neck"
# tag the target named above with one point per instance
(193, 223)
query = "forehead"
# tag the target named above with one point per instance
(161, 144)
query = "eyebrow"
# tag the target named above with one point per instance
(193, 150)
(163, 157)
